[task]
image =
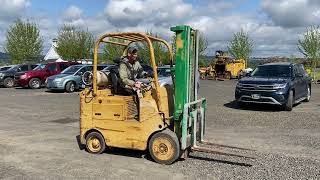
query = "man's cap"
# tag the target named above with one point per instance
(132, 50)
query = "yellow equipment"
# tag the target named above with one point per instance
(224, 67)
(167, 120)
(119, 121)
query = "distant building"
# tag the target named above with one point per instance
(52, 54)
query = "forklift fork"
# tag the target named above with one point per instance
(195, 115)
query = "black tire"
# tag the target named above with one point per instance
(308, 95)
(35, 83)
(95, 143)
(70, 87)
(289, 103)
(8, 82)
(202, 76)
(164, 147)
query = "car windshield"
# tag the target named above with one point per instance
(8, 68)
(37, 65)
(272, 71)
(71, 70)
(40, 67)
(107, 69)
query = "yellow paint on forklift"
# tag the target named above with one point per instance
(117, 117)
(179, 42)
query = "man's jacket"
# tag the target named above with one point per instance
(130, 72)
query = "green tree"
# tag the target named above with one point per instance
(113, 51)
(202, 63)
(203, 45)
(160, 51)
(74, 44)
(23, 42)
(240, 47)
(309, 46)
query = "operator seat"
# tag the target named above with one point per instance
(114, 76)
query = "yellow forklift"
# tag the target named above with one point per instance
(223, 67)
(168, 121)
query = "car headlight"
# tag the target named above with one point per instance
(58, 79)
(280, 86)
(1, 75)
(23, 76)
(239, 85)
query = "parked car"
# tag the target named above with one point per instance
(283, 84)
(70, 79)
(164, 76)
(36, 78)
(7, 77)
(4, 68)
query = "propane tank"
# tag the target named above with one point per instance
(102, 78)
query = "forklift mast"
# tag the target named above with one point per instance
(186, 81)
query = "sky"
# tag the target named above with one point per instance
(274, 26)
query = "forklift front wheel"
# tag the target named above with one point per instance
(164, 147)
(95, 143)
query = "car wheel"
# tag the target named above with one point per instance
(34, 83)
(70, 87)
(95, 143)
(8, 82)
(164, 147)
(308, 95)
(289, 103)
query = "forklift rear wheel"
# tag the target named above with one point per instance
(164, 147)
(95, 143)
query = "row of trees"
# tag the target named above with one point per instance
(241, 47)
(24, 43)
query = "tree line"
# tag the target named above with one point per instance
(24, 44)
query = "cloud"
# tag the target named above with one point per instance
(292, 13)
(73, 12)
(136, 12)
(12, 8)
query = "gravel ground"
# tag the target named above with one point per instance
(38, 132)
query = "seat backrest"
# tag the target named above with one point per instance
(114, 77)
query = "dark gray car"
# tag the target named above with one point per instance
(283, 84)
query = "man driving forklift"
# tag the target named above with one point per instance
(129, 70)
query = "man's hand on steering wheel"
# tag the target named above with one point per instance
(138, 84)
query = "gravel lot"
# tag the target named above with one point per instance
(38, 132)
